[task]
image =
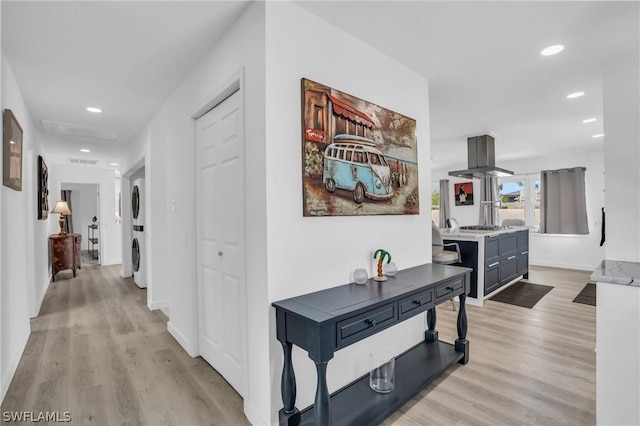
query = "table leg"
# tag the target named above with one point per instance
(321, 405)
(431, 335)
(462, 344)
(289, 415)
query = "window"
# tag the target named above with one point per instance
(512, 195)
(520, 198)
(435, 202)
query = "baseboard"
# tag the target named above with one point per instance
(158, 305)
(181, 339)
(41, 298)
(12, 365)
(577, 267)
(254, 417)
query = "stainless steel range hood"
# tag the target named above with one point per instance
(481, 159)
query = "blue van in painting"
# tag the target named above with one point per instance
(354, 164)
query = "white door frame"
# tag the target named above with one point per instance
(234, 83)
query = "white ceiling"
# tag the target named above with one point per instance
(485, 71)
(481, 59)
(124, 57)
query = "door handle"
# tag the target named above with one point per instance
(493, 264)
(511, 257)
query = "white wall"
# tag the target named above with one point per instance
(166, 147)
(84, 205)
(622, 152)
(562, 251)
(618, 355)
(312, 253)
(109, 231)
(618, 313)
(23, 246)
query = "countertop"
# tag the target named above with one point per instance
(618, 272)
(463, 235)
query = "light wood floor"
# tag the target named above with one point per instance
(97, 352)
(527, 366)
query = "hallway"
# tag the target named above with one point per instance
(97, 352)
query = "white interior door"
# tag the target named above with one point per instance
(220, 239)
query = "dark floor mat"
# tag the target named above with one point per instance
(587, 296)
(523, 294)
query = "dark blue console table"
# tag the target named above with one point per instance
(329, 320)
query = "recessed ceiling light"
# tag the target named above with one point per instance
(94, 109)
(575, 95)
(552, 50)
(598, 135)
(113, 164)
(85, 150)
(589, 120)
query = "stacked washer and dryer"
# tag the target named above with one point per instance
(138, 245)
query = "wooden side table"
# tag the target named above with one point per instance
(65, 252)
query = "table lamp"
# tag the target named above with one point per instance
(63, 208)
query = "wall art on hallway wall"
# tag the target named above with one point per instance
(358, 158)
(43, 189)
(12, 152)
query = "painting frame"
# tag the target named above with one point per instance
(358, 158)
(11, 151)
(463, 193)
(43, 189)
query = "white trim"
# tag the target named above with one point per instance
(157, 305)
(538, 234)
(182, 341)
(253, 415)
(12, 365)
(574, 266)
(38, 305)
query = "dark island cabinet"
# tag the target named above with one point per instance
(326, 321)
(507, 257)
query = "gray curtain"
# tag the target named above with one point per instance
(68, 224)
(445, 204)
(489, 201)
(563, 203)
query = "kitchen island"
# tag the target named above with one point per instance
(498, 258)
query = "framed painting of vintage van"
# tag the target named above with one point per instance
(12, 152)
(358, 158)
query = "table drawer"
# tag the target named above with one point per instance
(416, 303)
(449, 289)
(360, 326)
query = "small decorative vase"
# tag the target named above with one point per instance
(390, 269)
(360, 276)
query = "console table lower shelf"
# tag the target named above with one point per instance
(358, 404)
